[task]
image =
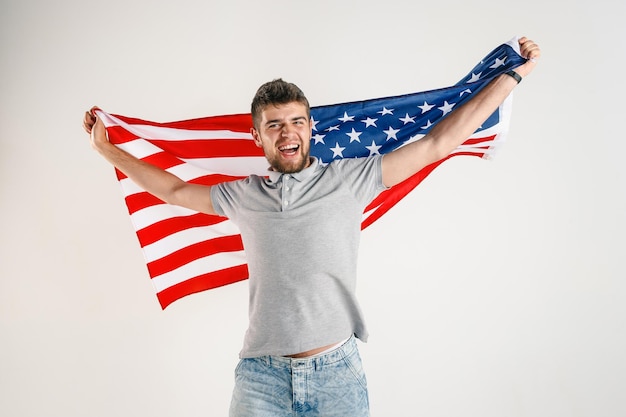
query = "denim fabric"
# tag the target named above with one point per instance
(328, 385)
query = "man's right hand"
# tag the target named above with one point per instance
(97, 132)
(89, 119)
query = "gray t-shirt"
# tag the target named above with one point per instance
(301, 235)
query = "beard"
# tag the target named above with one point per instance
(288, 167)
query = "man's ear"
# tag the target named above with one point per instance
(256, 137)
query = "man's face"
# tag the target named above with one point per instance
(284, 134)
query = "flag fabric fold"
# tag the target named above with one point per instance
(187, 252)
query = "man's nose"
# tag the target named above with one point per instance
(287, 129)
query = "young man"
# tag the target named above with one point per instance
(300, 355)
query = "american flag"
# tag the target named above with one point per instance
(187, 252)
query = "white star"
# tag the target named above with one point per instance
(346, 118)
(374, 149)
(314, 123)
(446, 108)
(369, 122)
(385, 111)
(407, 119)
(425, 107)
(474, 77)
(354, 135)
(498, 63)
(428, 125)
(391, 133)
(337, 150)
(319, 139)
(330, 129)
(468, 91)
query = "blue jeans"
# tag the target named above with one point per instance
(331, 384)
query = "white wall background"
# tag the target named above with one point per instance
(494, 289)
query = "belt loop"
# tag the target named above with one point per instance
(267, 360)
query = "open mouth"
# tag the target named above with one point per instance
(291, 149)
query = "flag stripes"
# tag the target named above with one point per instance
(187, 252)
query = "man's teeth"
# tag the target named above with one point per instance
(288, 147)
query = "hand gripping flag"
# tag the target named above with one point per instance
(188, 252)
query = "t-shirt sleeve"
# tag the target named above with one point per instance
(224, 197)
(217, 196)
(363, 175)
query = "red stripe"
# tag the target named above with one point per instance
(140, 201)
(209, 148)
(162, 160)
(389, 198)
(118, 135)
(164, 228)
(193, 252)
(202, 283)
(213, 179)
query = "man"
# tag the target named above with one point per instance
(300, 228)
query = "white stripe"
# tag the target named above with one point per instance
(368, 213)
(129, 187)
(479, 147)
(187, 172)
(188, 237)
(175, 134)
(198, 267)
(236, 166)
(241, 166)
(153, 214)
(140, 148)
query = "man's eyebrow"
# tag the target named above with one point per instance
(293, 119)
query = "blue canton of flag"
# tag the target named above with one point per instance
(378, 126)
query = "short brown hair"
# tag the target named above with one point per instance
(276, 92)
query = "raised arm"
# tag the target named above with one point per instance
(156, 181)
(452, 131)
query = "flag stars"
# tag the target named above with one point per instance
(373, 148)
(330, 129)
(319, 139)
(354, 136)
(474, 78)
(428, 125)
(314, 123)
(467, 91)
(369, 122)
(446, 108)
(385, 111)
(391, 133)
(346, 118)
(499, 62)
(407, 119)
(426, 107)
(337, 151)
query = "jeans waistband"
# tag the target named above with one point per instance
(336, 355)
